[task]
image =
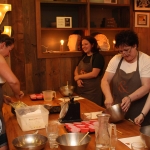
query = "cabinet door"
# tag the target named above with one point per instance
(48, 33)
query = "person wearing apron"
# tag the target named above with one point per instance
(88, 81)
(6, 75)
(127, 77)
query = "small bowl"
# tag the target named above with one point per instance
(116, 113)
(67, 90)
(30, 141)
(145, 135)
(69, 141)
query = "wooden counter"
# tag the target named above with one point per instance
(13, 129)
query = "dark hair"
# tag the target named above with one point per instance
(126, 37)
(93, 42)
(5, 38)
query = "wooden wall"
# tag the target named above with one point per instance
(36, 75)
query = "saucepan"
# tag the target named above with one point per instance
(30, 142)
(145, 135)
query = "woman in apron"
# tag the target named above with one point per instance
(127, 77)
(6, 75)
(89, 70)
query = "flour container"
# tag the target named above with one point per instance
(32, 117)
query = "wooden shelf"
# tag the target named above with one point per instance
(87, 19)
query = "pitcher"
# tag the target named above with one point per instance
(49, 95)
(102, 136)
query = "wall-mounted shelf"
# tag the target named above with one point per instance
(87, 18)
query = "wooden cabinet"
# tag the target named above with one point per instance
(87, 16)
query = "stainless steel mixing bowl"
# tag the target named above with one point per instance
(116, 113)
(67, 90)
(145, 135)
(30, 142)
(69, 141)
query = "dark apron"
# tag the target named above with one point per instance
(91, 89)
(124, 84)
(2, 127)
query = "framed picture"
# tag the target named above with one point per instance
(141, 4)
(64, 22)
(141, 19)
(110, 1)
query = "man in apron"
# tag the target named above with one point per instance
(127, 77)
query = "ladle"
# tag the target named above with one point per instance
(83, 138)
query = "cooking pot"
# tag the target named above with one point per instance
(30, 141)
(67, 90)
(116, 113)
(145, 135)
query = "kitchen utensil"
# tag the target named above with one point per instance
(67, 90)
(17, 104)
(49, 95)
(145, 135)
(30, 141)
(70, 141)
(83, 138)
(70, 111)
(116, 113)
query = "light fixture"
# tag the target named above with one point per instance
(3, 9)
(61, 45)
(7, 30)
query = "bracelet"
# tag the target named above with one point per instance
(143, 115)
(129, 98)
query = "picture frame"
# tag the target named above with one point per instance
(141, 19)
(110, 1)
(142, 5)
(64, 22)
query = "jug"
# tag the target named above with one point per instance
(49, 95)
(102, 137)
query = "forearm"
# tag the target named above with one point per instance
(106, 89)
(146, 107)
(143, 90)
(15, 86)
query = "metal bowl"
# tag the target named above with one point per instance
(116, 113)
(145, 135)
(69, 141)
(30, 141)
(67, 90)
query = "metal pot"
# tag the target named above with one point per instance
(70, 141)
(30, 142)
(116, 113)
(67, 90)
(145, 135)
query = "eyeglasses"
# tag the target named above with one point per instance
(125, 50)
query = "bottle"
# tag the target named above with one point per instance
(102, 137)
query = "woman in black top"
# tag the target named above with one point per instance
(88, 71)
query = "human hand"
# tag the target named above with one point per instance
(80, 83)
(20, 95)
(7, 99)
(126, 102)
(108, 102)
(139, 119)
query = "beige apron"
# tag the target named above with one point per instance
(2, 126)
(124, 84)
(91, 89)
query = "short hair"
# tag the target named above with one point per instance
(7, 39)
(126, 37)
(93, 42)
